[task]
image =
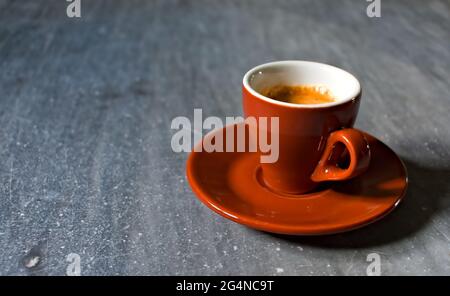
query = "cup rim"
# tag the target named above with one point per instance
(245, 81)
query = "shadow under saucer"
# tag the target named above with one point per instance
(427, 187)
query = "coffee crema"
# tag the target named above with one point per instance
(299, 94)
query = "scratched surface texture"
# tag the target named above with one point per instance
(86, 165)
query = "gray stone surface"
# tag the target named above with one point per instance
(85, 112)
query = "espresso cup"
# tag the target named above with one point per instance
(313, 138)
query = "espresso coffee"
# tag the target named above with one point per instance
(299, 94)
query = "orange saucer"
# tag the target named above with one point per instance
(230, 184)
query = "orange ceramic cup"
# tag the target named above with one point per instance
(312, 137)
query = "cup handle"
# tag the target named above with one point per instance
(359, 152)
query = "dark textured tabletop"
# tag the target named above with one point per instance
(86, 104)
